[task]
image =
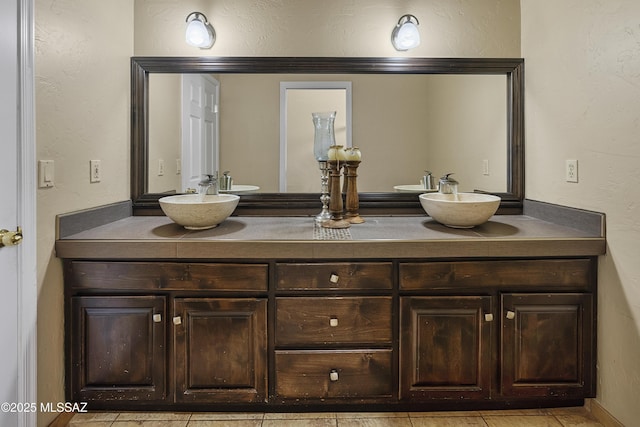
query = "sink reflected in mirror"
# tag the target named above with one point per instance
(199, 211)
(461, 210)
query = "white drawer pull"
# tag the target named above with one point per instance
(157, 318)
(334, 278)
(177, 320)
(333, 375)
(333, 322)
(488, 317)
(511, 315)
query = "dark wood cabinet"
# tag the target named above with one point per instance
(220, 347)
(547, 345)
(445, 347)
(317, 334)
(119, 348)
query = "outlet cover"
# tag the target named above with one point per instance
(571, 171)
(95, 171)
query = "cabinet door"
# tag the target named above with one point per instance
(118, 348)
(445, 347)
(220, 350)
(547, 342)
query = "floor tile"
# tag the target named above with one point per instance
(344, 415)
(153, 416)
(213, 416)
(323, 422)
(150, 423)
(225, 423)
(449, 422)
(85, 417)
(516, 412)
(445, 414)
(578, 421)
(91, 424)
(300, 416)
(522, 421)
(374, 422)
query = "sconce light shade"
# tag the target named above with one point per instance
(199, 32)
(406, 35)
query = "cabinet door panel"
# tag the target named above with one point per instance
(546, 344)
(119, 352)
(445, 347)
(220, 350)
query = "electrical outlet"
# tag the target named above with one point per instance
(160, 167)
(485, 167)
(95, 174)
(571, 171)
(178, 166)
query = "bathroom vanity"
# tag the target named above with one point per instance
(272, 313)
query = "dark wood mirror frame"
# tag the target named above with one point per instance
(307, 204)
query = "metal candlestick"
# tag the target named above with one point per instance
(324, 214)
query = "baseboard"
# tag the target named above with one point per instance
(601, 414)
(62, 420)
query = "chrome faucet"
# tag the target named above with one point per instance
(208, 185)
(448, 185)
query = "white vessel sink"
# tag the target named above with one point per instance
(462, 210)
(199, 212)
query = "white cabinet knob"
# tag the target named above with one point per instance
(334, 278)
(177, 320)
(488, 317)
(511, 315)
(333, 322)
(157, 318)
(333, 375)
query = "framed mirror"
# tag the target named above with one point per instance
(500, 79)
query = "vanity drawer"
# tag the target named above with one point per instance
(334, 276)
(558, 274)
(318, 374)
(331, 321)
(167, 276)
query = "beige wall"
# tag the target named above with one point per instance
(82, 51)
(82, 89)
(583, 102)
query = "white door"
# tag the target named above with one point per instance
(17, 263)
(200, 96)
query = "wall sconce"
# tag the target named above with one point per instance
(199, 33)
(405, 35)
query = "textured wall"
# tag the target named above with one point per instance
(449, 28)
(82, 113)
(582, 102)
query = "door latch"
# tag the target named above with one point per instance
(10, 238)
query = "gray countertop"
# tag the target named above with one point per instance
(157, 237)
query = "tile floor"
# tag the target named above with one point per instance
(558, 417)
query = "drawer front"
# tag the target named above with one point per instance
(334, 276)
(167, 275)
(331, 321)
(320, 374)
(441, 275)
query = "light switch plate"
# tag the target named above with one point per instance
(45, 173)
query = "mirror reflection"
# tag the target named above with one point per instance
(403, 125)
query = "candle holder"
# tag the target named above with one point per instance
(323, 139)
(352, 200)
(324, 214)
(335, 197)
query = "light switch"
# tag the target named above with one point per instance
(45, 173)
